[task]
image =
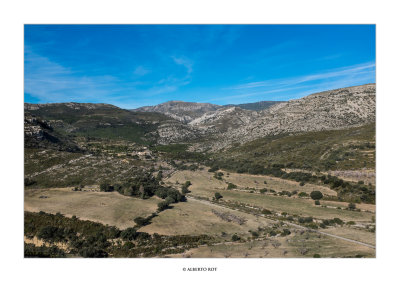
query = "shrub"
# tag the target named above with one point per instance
(175, 195)
(272, 233)
(30, 250)
(316, 256)
(287, 193)
(263, 190)
(213, 168)
(303, 194)
(162, 192)
(317, 203)
(141, 221)
(217, 196)
(305, 219)
(231, 186)
(92, 252)
(169, 200)
(316, 195)
(285, 232)
(129, 245)
(351, 206)
(265, 211)
(350, 223)
(162, 206)
(129, 234)
(106, 187)
(218, 175)
(338, 221)
(312, 225)
(51, 233)
(235, 237)
(185, 190)
(302, 183)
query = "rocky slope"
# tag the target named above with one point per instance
(224, 119)
(40, 134)
(257, 106)
(187, 112)
(213, 127)
(99, 120)
(182, 111)
(335, 109)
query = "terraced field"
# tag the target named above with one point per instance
(109, 208)
(205, 185)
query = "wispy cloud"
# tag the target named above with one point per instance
(52, 82)
(49, 81)
(299, 86)
(141, 71)
(188, 64)
(351, 71)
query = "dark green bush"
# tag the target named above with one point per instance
(235, 237)
(217, 196)
(265, 211)
(162, 206)
(316, 195)
(351, 206)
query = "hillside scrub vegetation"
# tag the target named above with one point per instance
(89, 239)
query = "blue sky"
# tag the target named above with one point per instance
(136, 65)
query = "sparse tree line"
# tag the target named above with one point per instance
(347, 191)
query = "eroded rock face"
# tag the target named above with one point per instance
(336, 109)
(39, 134)
(177, 132)
(182, 111)
(219, 129)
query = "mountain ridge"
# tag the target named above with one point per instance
(212, 127)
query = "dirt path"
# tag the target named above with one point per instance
(289, 223)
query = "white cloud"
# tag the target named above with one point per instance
(140, 71)
(184, 62)
(49, 81)
(351, 71)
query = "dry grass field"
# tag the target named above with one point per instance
(363, 236)
(196, 217)
(205, 179)
(205, 185)
(109, 208)
(293, 246)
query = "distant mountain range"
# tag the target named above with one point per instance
(188, 111)
(212, 127)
